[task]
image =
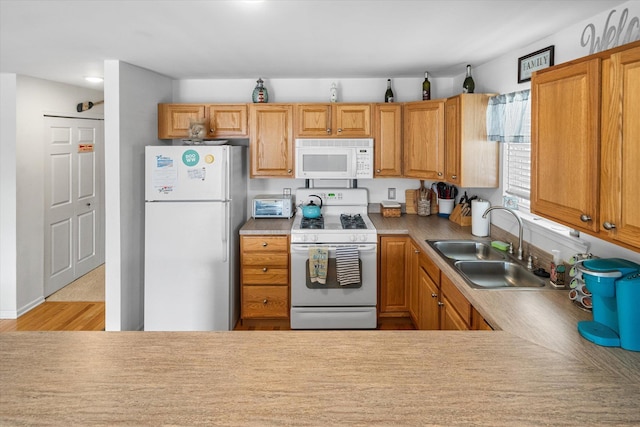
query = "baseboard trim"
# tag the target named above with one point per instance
(11, 314)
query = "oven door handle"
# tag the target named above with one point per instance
(305, 248)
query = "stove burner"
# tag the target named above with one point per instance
(352, 221)
(312, 223)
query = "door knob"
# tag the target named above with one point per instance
(585, 218)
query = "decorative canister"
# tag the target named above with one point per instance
(260, 94)
(424, 207)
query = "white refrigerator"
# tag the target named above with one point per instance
(195, 204)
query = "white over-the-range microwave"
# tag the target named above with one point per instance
(334, 158)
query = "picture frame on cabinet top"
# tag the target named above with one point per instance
(535, 61)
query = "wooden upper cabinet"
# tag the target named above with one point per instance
(174, 119)
(333, 120)
(620, 150)
(313, 120)
(423, 139)
(470, 160)
(227, 120)
(223, 120)
(565, 132)
(271, 140)
(387, 137)
(352, 120)
(585, 152)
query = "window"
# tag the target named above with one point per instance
(517, 172)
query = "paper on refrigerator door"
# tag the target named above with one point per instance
(164, 175)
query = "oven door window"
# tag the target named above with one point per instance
(332, 277)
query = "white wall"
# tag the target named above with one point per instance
(34, 98)
(498, 76)
(132, 95)
(8, 267)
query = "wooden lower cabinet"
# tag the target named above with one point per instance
(393, 290)
(455, 310)
(264, 277)
(429, 318)
(433, 301)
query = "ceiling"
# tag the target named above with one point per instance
(65, 41)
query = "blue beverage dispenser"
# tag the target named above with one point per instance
(614, 284)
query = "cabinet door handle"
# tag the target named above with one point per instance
(328, 130)
(416, 251)
(440, 304)
(435, 296)
(454, 176)
(339, 130)
(585, 218)
(264, 244)
(378, 171)
(264, 301)
(264, 269)
(439, 173)
(608, 225)
(288, 170)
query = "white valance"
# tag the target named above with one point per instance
(509, 117)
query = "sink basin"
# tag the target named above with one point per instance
(498, 275)
(467, 250)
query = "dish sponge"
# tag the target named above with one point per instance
(500, 245)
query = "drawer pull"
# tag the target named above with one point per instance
(264, 269)
(440, 303)
(264, 244)
(608, 225)
(585, 218)
(265, 301)
(434, 295)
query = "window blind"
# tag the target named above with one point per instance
(517, 170)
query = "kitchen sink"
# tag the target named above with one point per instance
(485, 267)
(498, 274)
(467, 250)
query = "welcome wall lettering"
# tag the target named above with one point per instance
(612, 35)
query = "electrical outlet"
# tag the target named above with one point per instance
(391, 193)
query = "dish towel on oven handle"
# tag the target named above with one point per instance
(318, 262)
(347, 265)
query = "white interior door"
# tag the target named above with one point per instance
(74, 219)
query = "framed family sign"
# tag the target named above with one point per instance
(535, 61)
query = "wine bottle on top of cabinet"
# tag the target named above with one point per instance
(388, 95)
(468, 85)
(426, 87)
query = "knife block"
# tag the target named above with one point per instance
(457, 217)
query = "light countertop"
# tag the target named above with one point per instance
(535, 369)
(302, 378)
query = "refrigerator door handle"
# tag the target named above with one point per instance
(225, 230)
(225, 178)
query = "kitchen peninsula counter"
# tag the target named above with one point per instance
(302, 378)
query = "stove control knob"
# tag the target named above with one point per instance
(353, 237)
(363, 237)
(314, 237)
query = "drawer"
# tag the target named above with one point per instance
(265, 302)
(265, 243)
(266, 259)
(265, 276)
(457, 300)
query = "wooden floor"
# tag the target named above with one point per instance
(89, 316)
(59, 316)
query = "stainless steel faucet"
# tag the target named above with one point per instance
(520, 225)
